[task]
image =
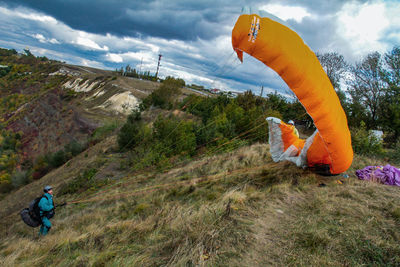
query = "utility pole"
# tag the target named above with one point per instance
(262, 90)
(158, 65)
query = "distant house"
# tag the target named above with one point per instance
(215, 91)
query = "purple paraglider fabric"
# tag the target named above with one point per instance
(388, 174)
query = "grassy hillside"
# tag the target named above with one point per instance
(188, 181)
(232, 209)
(50, 111)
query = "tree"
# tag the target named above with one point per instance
(367, 86)
(175, 82)
(132, 132)
(391, 107)
(247, 100)
(166, 95)
(277, 102)
(392, 74)
(335, 67)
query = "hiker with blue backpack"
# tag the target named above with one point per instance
(40, 211)
(46, 206)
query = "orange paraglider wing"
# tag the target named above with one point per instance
(284, 51)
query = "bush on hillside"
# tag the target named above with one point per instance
(168, 136)
(57, 159)
(132, 132)
(45, 163)
(226, 123)
(247, 100)
(227, 118)
(72, 149)
(5, 71)
(365, 143)
(174, 135)
(148, 156)
(20, 178)
(165, 96)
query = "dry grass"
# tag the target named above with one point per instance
(93, 157)
(354, 224)
(233, 209)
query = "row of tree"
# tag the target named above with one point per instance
(369, 90)
(132, 72)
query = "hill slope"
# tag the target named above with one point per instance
(51, 110)
(233, 209)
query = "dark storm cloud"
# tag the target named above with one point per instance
(182, 20)
(316, 32)
(193, 36)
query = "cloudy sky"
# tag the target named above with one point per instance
(192, 36)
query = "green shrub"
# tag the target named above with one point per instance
(174, 135)
(5, 71)
(141, 157)
(165, 95)
(47, 162)
(154, 146)
(83, 182)
(132, 132)
(200, 106)
(226, 118)
(57, 159)
(73, 148)
(364, 142)
(20, 178)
